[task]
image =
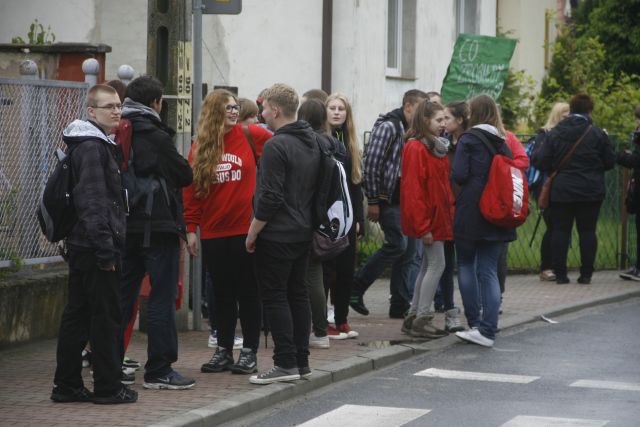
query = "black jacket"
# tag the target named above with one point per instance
(582, 179)
(97, 194)
(154, 152)
(631, 160)
(286, 184)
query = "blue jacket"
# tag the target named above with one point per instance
(470, 170)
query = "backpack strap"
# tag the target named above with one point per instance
(492, 149)
(247, 134)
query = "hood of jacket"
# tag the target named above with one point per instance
(81, 130)
(396, 115)
(572, 127)
(131, 107)
(301, 130)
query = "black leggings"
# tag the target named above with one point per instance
(234, 285)
(338, 276)
(563, 215)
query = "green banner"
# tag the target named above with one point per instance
(479, 64)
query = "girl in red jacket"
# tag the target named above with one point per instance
(224, 159)
(426, 209)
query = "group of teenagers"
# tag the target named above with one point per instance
(248, 189)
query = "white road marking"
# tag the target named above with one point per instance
(366, 416)
(610, 385)
(530, 421)
(476, 376)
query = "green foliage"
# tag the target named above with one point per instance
(615, 24)
(579, 65)
(516, 99)
(36, 35)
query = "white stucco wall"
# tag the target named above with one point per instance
(278, 41)
(526, 21)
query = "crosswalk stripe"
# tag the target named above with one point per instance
(366, 416)
(610, 385)
(476, 376)
(531, 421)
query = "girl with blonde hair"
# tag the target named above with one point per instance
(341, 125)
(224, 159)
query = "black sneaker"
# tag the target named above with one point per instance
(127, 379)
(584, 280)
(247, 363)
(172, 381)
(62, 395)
(125, 395)
(305, 372)
(221, 361)
(562, 280)
(357, 303)
(632, 274)
(398, 312)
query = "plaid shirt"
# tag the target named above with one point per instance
(383, 160)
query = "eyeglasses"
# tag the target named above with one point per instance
(112, 107)
(231, 108)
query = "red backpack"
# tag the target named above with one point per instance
(123, 135)
(505, 198)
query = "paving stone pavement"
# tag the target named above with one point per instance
(27, 371)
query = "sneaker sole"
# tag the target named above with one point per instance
(322, 346)
(482, 344)
(214, 370)
(162, 386)
(338, 337)
(243, 371)
(285, 378)
(455, 329)
(68, 399)
(127, 382)
(110, 401)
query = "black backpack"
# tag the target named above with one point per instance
(56, 214)
(333, 212)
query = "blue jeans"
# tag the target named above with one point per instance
(397, 250)
(478, 282)
(162, 264)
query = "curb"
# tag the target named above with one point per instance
(242, 404)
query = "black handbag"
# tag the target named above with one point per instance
(324, 248)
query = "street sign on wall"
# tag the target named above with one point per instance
(479, 64)
(222, 7)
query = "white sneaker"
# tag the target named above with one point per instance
(213, 340)
(237, 342)
(331, 314)
(474, 336)
(319, 342)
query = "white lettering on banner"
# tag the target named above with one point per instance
(518, 189)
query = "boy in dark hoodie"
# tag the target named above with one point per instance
(95, 245)
(281, 231)
(382, 164)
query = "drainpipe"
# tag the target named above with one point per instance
(327, 40)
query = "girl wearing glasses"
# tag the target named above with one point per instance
(224, 158)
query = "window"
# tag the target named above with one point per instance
(466, 14)
(401, 38)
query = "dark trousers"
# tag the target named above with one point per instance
(235, 290)
(161, 261)
(281, 269)
(585, 215)
(444, 293)
(92, 312)
(339, 272)
(546, 262)
(638, 241)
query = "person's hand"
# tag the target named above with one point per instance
(192, 244)
(357, 230)
(373, 212)
(427, 239)
(250, 243)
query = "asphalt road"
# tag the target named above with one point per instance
(582, 371)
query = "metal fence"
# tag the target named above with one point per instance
(33, 114)
(616, 233)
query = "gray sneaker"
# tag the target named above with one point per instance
(407, 323)
(305, 372)
(452, 321)
(221, 361)
(274, 375)
(247, 363)
(423, 328)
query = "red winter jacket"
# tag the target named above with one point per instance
(426, 199)
(519, 155)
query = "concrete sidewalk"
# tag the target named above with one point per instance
(27, 372)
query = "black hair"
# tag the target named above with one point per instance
(581, 103)
(145, 90)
